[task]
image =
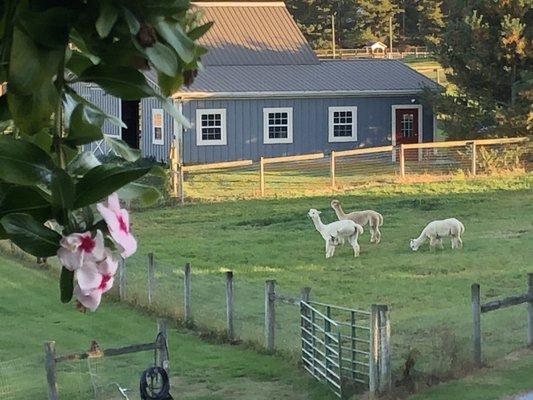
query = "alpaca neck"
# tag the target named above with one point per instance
(339, 211)
(419, 240)
(318, 223)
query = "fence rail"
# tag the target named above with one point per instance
(338, 170)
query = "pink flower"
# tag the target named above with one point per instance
(94, 279)
(78, 248)
(118, 223)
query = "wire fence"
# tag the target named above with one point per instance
(319, 173)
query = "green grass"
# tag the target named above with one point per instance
(428, 293)
(31, 314)
(511, 376)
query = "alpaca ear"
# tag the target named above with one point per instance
(319, 212)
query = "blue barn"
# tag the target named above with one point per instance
(263, 92)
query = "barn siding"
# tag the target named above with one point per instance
(310, 126)
(148, 148)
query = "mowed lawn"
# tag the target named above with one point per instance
(428, 293)
(30, 313)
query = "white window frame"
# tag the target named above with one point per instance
(331, 112)
(223, 137)
(162, 140)
(266, 137)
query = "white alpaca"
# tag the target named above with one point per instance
(436, 230)
(370, 217)
(335, 233)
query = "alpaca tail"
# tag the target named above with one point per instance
(462, 227)
(380, 219)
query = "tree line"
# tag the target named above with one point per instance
(485, 47)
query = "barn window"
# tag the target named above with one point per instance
(211, 127)
(342, 124)
(277, 125)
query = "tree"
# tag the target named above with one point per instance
(430, 21)
(374, 19)
(48, 187)
(488, 48)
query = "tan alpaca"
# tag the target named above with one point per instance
(370, 217)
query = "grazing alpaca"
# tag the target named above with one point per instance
(436, 230)
(335, 233)
(370, 217)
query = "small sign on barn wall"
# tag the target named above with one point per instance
(157, 126)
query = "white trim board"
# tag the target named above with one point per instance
(331, 112)
(223, 132)
(266, 137)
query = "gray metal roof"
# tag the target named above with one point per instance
(336, 77)
(252, 33)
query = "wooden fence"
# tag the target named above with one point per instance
(399, 161)
(479, 308)
(414, 51)
(51, 359)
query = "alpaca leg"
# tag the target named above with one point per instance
(459, 242)
(328, 251)
(441, 244)
(432, 243)
(378, 235)
(355, 245)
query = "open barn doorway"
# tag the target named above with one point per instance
(131, 117)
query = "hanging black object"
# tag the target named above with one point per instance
(155, 384)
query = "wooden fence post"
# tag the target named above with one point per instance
(122, 279)
(151, 277)
(332, 169)
(187, 292)
(473, 167)
(270, 313)
(373, 362)
(385, 372)
(402, 161)
(181, 189)
(530, 309)
(229, 305)
(162, 350)
(306, 294)
(262, 175)
(476, 324)
(50, 366)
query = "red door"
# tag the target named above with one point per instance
(407, 129)
(406, 125)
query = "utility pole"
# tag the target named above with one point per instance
(333, 35)
(390, 36)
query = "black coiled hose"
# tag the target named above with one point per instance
(151, 374)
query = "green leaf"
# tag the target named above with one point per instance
(48, 28)
(76, 98)
(162, 58)
(33, 112)
(63, 191)
(82, 163)
(85, 126)
(78, 62)
(122, 149)
(174, 35)
(133, 23)
(147, 194)
(124, 82)
(106, 19)
(169, 84)
(80, 44)
(27, 200)
(23, 163)
(30, 235)
(200, 31)
(106, 179)
(5, 115)
(30, 67)
(66, 285)
(169, 107)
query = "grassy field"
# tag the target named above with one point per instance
(31, 314)
(428, 293)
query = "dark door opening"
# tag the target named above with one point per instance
(131, 117)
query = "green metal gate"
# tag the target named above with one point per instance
(346, 348)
